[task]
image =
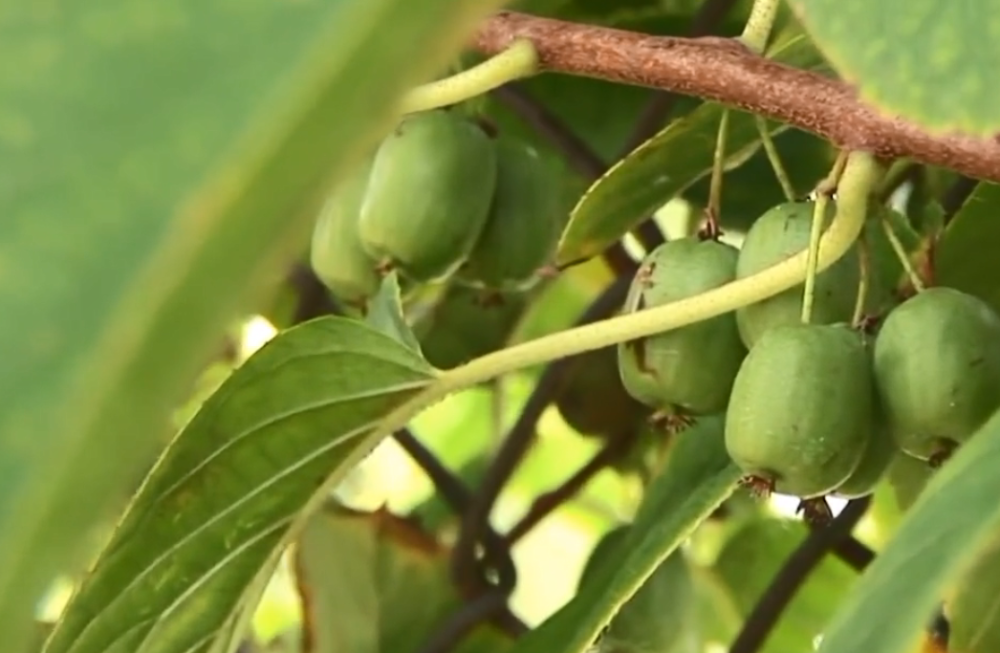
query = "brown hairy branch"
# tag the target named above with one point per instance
(662, 103)
(544, 504)
(723, 70)
(521, 436)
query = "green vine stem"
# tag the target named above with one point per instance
(718, 169)
(757, 31)
(517, 61)
(864, 278)
(772, 155)
(823, 190)
(815, 233)
(904, 258)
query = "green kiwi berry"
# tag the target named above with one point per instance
(937, 369)
(802, 408)
(336, 253)
(593, 401)
(522, 228)
(461, 326)
(779, 234)
(691, 368)
(429, 194)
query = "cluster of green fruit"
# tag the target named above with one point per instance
(442, 197)
(821, 407)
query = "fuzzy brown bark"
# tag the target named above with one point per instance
(725, 71)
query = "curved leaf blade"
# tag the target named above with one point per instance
(219, 502)
(964, 256)
(953, 517)
(903, 54)
(665, 165)
(163, 161)
(698, 477)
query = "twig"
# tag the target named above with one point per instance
(709, 14)
(793, 574)
(476, 518)
(851, 551)
(544, 504)
(723, 70)
(464, 620)
(577, 153)
(458, 498)
(854, 553)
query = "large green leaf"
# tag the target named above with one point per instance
(666, 165)
(697, 478)
(949, 522)
(965, 257)
(748, 563)
(161, 160)
(921, 59)
(359, 575)
(212, 515)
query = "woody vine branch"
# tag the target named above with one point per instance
(726, 71)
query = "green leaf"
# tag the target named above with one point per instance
(697, 478)
(748, 563)
(385, 312)
(973, 605)
(163, 162)
(661, 616)
(952, 519)
(965, 256)
(213, 514)
(666, 165)
(359, 575)
(923, 60)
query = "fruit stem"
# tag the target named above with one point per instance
(757, 31)
(904, 258)
(517, 61)
(864, 269)
(718, 172)
(861, 173)
(775, 159)
(823, 191)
